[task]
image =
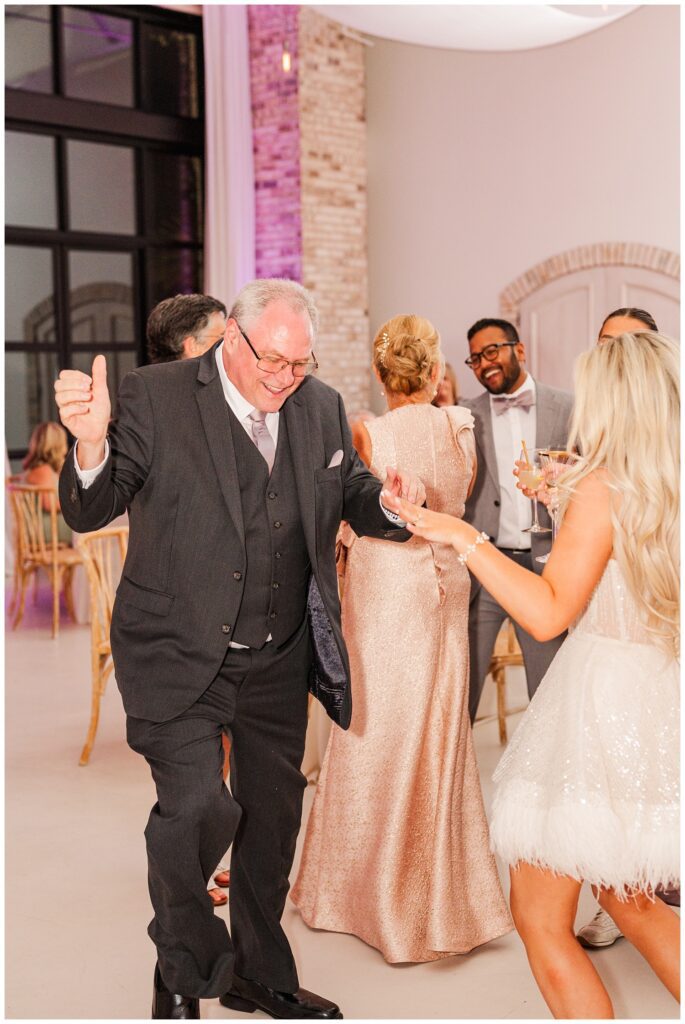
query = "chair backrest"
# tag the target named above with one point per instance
(103, 553)
(506, 644)
(35, 526)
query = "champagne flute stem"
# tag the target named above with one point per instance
(535, 510)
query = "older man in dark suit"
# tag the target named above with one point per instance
(513, 408)
(236, 468)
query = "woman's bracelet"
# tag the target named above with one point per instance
(480, 539)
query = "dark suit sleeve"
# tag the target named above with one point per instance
(361, 496)
(131, 443)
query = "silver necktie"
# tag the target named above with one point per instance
(262, 438)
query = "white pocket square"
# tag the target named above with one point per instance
(336, 459)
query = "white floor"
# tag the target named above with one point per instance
(76, 895)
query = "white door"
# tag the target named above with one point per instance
(561, 319)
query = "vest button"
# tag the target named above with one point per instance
(274, 586)
(273, 615)
(237, 575)
(272, 495)
(225, 628)
(277, 524)
(278, 554)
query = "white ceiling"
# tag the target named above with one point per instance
(475, 26)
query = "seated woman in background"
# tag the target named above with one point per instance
(47, 451)
(396, 850)
(447, 392)
(588, 788)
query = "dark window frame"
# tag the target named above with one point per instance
(65, 119)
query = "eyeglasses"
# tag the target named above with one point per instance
(275, 364)
(490, 353)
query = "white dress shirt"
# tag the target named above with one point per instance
(239, 405)
(509, 428)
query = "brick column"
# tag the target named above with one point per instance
(276, 141)
(310, 167)
(333, 187)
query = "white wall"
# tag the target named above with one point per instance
(483, 164)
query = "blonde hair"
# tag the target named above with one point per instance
(405, 353)
(48, 446)
(626, 422)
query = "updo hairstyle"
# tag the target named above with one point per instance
(406, 351)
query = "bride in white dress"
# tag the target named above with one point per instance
(588, 787)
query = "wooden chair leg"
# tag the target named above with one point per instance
(19, 611)
(500, 682)
(56, 581)
(15, 591)
(96, 692)
(68, 592)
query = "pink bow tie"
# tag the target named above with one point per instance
(501, 403)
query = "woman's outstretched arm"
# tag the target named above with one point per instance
(544, 605)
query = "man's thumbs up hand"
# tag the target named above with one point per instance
(85, 409)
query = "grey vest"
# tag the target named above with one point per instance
(277, 564)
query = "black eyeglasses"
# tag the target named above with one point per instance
(275, 364)
(490, 353)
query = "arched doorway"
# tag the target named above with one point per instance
(559, 304)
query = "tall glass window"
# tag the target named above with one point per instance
(104, 196)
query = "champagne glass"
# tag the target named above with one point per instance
(532, 476)
(554, 463)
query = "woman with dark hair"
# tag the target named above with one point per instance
(624, 321)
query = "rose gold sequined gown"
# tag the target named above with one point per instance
(397, 846)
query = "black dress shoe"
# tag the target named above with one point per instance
(248, 996)
(167, 1005)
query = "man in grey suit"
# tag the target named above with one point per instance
(236, 468)
(514, 408)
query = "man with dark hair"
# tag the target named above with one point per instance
(514, 408)
(507, 329)
(183, 327)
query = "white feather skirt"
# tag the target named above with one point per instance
(589, 785)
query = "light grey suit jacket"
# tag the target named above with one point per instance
(553, 414)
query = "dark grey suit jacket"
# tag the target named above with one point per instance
(173, 466)
(553, 415)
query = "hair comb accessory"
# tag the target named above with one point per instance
(383, 347)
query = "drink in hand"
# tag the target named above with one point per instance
(531, 477)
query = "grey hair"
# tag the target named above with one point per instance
(253, 298)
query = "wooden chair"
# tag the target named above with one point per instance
(103, 554)
(506, 652)
(37, 546)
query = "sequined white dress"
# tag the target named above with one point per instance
(588, 785)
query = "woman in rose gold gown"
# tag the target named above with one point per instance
(397, 845)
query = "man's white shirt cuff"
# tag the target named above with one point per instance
(392, 516)
(88, 476)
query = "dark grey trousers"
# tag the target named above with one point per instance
(485, 619)
(259, 698)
